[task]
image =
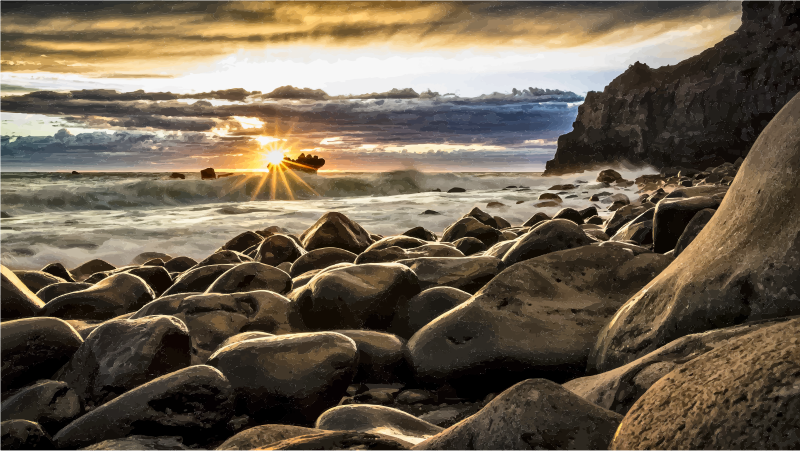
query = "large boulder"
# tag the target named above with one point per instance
(421, 233)
(194, 403)
(242, 241)
(36, 280)
(336, 230)
(381, 356)
(536, 219)
(321, 259)
(672, 216)
(290, 378)
(179, 264)
(624, 216)
(261, 436)
(549, 236)
(113, 296)
(377, 419)
(570, 214)
(212, 318)
(401, 241)
(386, 255)
(693, 228)
(741, 267)
(252, 276)
(469, 245)
(538, 318)
(35, 348)
(465, 273)
(303, 279)
(277, 249)
(224, 257)
(121, 355)
(23, 434)
(619, 388)
(413, 314)
(58, 270)
(471, 227)
(743, 395)
(17, 301)
(197, 279)
(52, 404)
(355, 297)
(156, 277)
(88, 268)
(533, 414)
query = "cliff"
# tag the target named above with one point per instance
(702, 112)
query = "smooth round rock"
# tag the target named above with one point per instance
(401, 241)
(277, 249)
(242, 241)
(36, 280)
(549, 236)
(52, 404)
(536, 219)
(385, 255)
(421, 233)
(693, 228)
(303, 279)
(377, 420)
(179, 264)
(469, 245)
(197, 279)
(223, 257)
(23, 434)
(341, 440)
(671, 218)
(55, 290)
(145, 256)
(92, 266)
(423, 308)
(570, 214)
(252, 276)
(335, 229)
(17, 300)
(471, 227)
(320, 259)
(137, 442)
(469, 274)
(264, 435)
(381, 356)
(58, 270)
(113, 296)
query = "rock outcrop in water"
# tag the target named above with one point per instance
(704, 111)
(305, 163)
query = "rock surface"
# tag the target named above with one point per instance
(377, 420)
(544, 238)
(261, 436)
(197, 279)
(55, 290)
(336, 230)
(468, 274)
(252, 276)
(341, 440)
(413, 314)
(136, 442)
(277, 249)
(23, 434)
(320, 259)
(113, 296)
(381, 356)
(18, 301)
(471, 227)
(52, 404)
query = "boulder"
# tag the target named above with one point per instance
(52, 404)
(481, 216)
(252, 276)
(321, 258)
(156, 277)
(401, 241)
(385, 255)
(536, 219)
(280, 379)
(113, 296)
(672, 217)
(55, 290)
(473, 228)
(88, 268)
(179, 264)
(208, 174)
(336, 230)
(194, 403)
(623, 216)
(120, 355)
(741, 267)
(342, 439)
(547, 237)
(693, 228)
(434, 250)
(355, 297)
(570, 214)
(303, 279)
(501, 222)
(261, 436)
(381, 356)
(35, 348)
(378, 420)
(533, 414)
(213, 318)
(639, 232)
(413, 314)
(538, 318)
(743, 395)
(197, 279)
(223, 257)
(456, 190)
(596, 234)
(588, 212)
(551, 197)
(86, 327)
(242, 241)
(416, 396)
(58, 270)
(500, 249)
(277, 249)
(17, 301)
(146, 256)
(430, 212)
(466, 273)
(136, 442)
(597, 220)
(562, 187)
(244, 336)
(23, 434)
(469, 245)
(421, 233)
(619, 388)
(608, 176)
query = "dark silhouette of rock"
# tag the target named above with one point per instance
(194, 403)
(381, 356)
(421, 233)
(305, 163)
(58, 270)
(34, 348)
(52, 404)
(413, 314)
(536, 219)
(544, 238)
(224, 257)
(197, 279)
(609, 176)
(24, 434)
(208, 173)
(741, 267)
(88, 268)
(75, 173)
(277, 249)
(693, 228)
(377, 419)
(401, 241)
(655, 115)
(471, 227)
(672, 216)
(267, 390)
(385, 255)
(321, 259)
(36, 280)
(177, 175)
(469, 274)
(469, 245)
(303, 279)
(456, 190)
(533, 414)
(336, 230)
(179, 264)
(145, 256)
(430, 212)
(17, 300)
(140, 442)
(252, 276)
(242, 241)
(261, 436)
(341, 440)
(569, 214)
(113, 296)
(742, 395)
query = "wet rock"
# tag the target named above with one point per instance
(447, 416)
(500, 249)
(252, 276)
(381, 356)
(595, 220)
(261, 436)
(212, 318)
(377, 419)
(547, 237)
(385, 255)
(621, 217)
(197, 279)
(154, 262)
(336, 230)
(456, 190)
(17, 300)
(277, 249)
(469, 245)
(145, 256)
(620, 388)
(321, 258)
(208, 174)
(413, 314)
(421, 233)
(536, 219)
(194, 403)
(434, 250)
(113, 296)
(551, 197)
(303, 279)
(467, 273)
(741, 395)
(121, 355)
(136, 442)
(430, 212)
(52, 404)
(562, 187)
(341, 440)
(482, 216)
(179, 264)
(355, 297)
(693, 228)
(322, 366)
(58, 270)
(415, 396)
(637, 250)
(495, 204)
(501, 223)
(639, 232)
(92, 266)
(597, 234)
(471, 227)
(223, 258)
(570, 214)
(672, 217)
(533, 414)
(608, 176)
(156, 277)
(36, 280)
(401, 241)
(242, 241)
(23, 434)
(538, 318)
(57, 289)
(244, 336)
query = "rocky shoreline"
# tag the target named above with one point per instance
(666, 321)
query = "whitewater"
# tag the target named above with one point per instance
(59, 217)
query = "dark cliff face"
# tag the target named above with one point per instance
(702, 112)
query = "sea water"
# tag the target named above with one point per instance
(59, 217)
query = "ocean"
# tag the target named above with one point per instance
(59, 217)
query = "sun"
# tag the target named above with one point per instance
(274, 157)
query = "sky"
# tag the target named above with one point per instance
(444, 86)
